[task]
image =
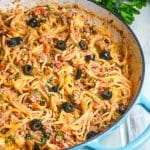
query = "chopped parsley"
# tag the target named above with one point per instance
(43, 20)
(100, 109)
(29, 136)
(37, 91)
(36, 146)
(59, 135)
(48, 7)
(44, 139)
(10, 139)
(100, 97)
(51, 78)
(50, 95)
(17, 75)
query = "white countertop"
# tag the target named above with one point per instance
(139, 118)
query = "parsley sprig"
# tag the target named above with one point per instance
(126, 9)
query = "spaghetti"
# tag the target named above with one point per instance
(62, 80)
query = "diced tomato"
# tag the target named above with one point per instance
(42, 10)
(42, 39)
(80, 66)
(38, 11)
(95, 105)
(2, 65)
(10, 32)
(60, 144)
(46, 48)
(35, 106)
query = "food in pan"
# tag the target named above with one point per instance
(63, 80)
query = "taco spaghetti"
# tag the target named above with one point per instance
(62, 80)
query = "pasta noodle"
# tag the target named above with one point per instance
(62, 79)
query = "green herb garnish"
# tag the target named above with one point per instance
(17, 75)
(9, 140)
(44, 139)
(36, 146)
(48, 7)
(59, 133)
(49, 95)
(44, 19)
(36, 91)
(29, 136)
(51, 78)
(100, 109)
(126, 9)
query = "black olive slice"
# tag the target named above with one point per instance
(106, 94)
(12, 42)
(78, 74)
(83, 45)
(61, 45)
(89, 57)
(67, 107)
(91, 134)
(105, 55)
(35, 125)
(33, 22)
(53, 89)
(27, 69)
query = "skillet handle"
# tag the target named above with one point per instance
(95, 145)
(145, 103)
